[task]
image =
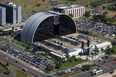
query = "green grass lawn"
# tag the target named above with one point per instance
(78, 72)
(20, 44)
(109, 58)
(1, 40)
(112, 64)
(67, 65)
(20, 73)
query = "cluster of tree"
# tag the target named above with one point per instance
(49, 67)
(71, 15)
(100, 2)
(43, 0)
(84, 32)
(44, 49)
(102, 18)
(114, 43)
(110, 51)
(33, 12)
(37, 5)
(87, 14)
(112, 8)
(6, 70)
(6, 32)
(85, 67)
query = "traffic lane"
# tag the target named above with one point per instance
(85, 74)
(103, 66)
(19, 65)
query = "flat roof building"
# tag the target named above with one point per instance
(2, 16)
(75, 11)
(13, 12)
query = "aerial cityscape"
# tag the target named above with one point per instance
(57, 38)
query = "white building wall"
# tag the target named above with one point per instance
(76, 12)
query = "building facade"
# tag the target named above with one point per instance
(2, 16)
(75, 11)
(13, 12)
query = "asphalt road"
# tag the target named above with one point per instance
(19, 65)
(102, 66)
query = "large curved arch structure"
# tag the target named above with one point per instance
(42, 22)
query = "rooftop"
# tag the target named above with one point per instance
(68, 6)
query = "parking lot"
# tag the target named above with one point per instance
(100, 28)
(34, 60)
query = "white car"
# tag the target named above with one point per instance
(24, 69)
(97, 71)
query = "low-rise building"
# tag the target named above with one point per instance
(75, 11)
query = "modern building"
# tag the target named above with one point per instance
(2, 16)
(76, 52)
(92, 48)
(13, 12)
(75, 11)
(45, 25)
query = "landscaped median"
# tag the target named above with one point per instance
(79, 72)
(65, 65)
(22, 45)
(1, 40)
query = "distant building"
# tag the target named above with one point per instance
(13, 12)
(75, 11)
(16, 28)
(97, 12)
(2, 16)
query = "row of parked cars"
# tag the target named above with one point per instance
(35, 60)
(101, 28)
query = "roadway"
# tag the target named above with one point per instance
(102, 65)
(19, 65)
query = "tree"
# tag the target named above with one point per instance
(38, 5)
(43, 0)
(30, 44)
(28, 47)
(103, 7)
(7, 64)
(74, 58)
(49, 67)
(7, 72)
(57, 66)
(25, 5)
(87, 14)
(67, 56)
(71, 15)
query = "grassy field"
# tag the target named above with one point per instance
(78, 72)
(20, 73)
(30, 5)
(67, 65)
(1, 40)
(20, 44)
